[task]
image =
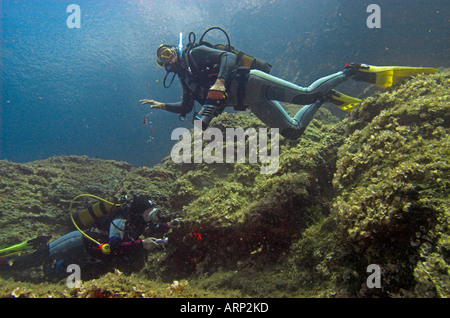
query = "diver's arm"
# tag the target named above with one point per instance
(171, 107)
(118, 246)
(185, 105)
(182, 107)
(147, 244)
(179, 108)
(116, 234)
(205, 56)
(153, 103)
(128, 247)
(227, 65)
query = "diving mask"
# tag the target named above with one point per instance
(165, 55)
(151, 215)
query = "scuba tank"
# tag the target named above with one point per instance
(90, 215)
(244, 60)
(247, 61)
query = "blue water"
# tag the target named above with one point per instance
(75, 91)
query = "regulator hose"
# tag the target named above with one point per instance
(104, 247)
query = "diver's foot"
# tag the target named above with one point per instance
(342, 101)
(383, 76)
(292, 133)
(4, 264)
(354, 69)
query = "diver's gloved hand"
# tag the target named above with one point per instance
(174, 223)
(148, 243)
(151, 243)
(153, 103)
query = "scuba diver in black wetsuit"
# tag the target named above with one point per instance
(217, 78)
(119, 226)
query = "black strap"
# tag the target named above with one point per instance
(241, 77)
(91, 212)
(103, 208)
(240, 55)
(171, 81)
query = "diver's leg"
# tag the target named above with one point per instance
(263, 90)
(69, 244)
(68, 249)
(263, 86)
(304, 117)
(273, 114)
(36, 258)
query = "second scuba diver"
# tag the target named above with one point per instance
(120, 227)
(217, 78)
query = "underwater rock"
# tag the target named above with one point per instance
(392, 179)
(35, 196)
(229, 211)
(371, 189)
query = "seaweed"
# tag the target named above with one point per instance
(369, 189)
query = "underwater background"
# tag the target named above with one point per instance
(366, 187)
(75, 91)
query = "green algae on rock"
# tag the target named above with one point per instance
(35, 196)
(392, 177)
(371, 189)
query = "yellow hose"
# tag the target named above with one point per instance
(104, 247)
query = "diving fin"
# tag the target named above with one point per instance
(386, 76)
(34, 243)
(342, 101)
(39, 241)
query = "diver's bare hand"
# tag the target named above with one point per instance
(153, 103)
(219, 85)
(217, 91)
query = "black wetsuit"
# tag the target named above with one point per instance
(199, 68)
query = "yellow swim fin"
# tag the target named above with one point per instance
(386, 76)
(24, 246)
(343, 101)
